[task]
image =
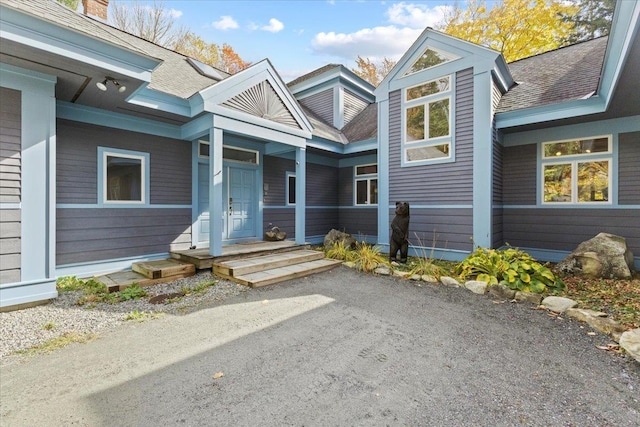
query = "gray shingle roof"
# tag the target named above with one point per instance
(564, 74)
(174, 76)
(313, 73)
(364, 125)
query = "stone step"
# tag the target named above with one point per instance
(280, 274)
(244, 266)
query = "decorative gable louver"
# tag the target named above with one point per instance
(262, 100)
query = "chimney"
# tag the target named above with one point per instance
(96, 8)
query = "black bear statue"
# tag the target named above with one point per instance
(400, 233)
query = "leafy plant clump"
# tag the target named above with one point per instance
(339, 251)
(511, 267)
(94, 292)
(133, 292)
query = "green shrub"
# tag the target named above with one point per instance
(132, 292)
(511, 267)
(367, 257)
(339, 251)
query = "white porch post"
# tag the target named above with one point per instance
(215, 191)
(301, 184)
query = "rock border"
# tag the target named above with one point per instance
(628, 340)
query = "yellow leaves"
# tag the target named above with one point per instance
(516, 28)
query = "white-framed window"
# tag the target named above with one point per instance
(290, 188)
(427, 128)
(431, 57)
(576, 171)
(365, 189)
(123, 177)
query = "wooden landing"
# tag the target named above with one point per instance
(202, 259)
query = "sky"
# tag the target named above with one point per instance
(299, 36)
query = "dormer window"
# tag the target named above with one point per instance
(430, 58)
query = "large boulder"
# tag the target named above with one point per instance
(605, 256)
(334, 236)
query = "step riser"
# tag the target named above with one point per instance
(243, 267)
(276, 275)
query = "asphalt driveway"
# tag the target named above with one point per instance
(340, 348)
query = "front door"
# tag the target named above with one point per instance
(241, 198)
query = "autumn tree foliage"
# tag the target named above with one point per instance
(373, 72)
(156, 24)
(230, 61)
(516, 28)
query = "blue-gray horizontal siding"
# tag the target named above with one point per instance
(497, 239)
(321, 186)
(442, 228)
(320, 220)
(321, 104)
(564, 229)
(10, 184)
(345, 186)
(274, 177)
(447, 183)
(92, 235)
(358, 220)
(77, 163)
(629, 169)
(10, 243)
(283, 218)
(353, 105)
(10, 145)
(519, 175)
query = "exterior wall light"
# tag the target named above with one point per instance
(103, 84)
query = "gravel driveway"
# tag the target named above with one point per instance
(339, 348)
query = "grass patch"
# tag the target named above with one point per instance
(141, 316)
(620, 299)
(94, 292)
(48, 326)
(199, 289)
(58, 343)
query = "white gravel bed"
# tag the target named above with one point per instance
(32, 327)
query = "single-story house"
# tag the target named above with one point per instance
(116, 150)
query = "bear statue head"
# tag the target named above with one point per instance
(402, 208)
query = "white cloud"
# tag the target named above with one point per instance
(175, 13)
(373, 43)
(416, 15)
(225, 22)
(274, 26)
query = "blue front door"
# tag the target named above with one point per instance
(241, 199)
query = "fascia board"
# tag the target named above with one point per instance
(361, 146)
(546, 113)
(324, 145)
(84, 114)
(42, 35)
(256, 131)
(196, 128)
(155, 100)
(624, 30)
(219, 110)
(432, 73)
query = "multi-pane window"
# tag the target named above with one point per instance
(366, 184)
(427, 121)
(577, 171)
(124, 176)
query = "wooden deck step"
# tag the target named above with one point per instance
(244, 266)
(121, 280)
(163, 268)
(280, 274)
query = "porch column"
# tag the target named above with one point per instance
(215, 191)
(301, 184)
(482, 159)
